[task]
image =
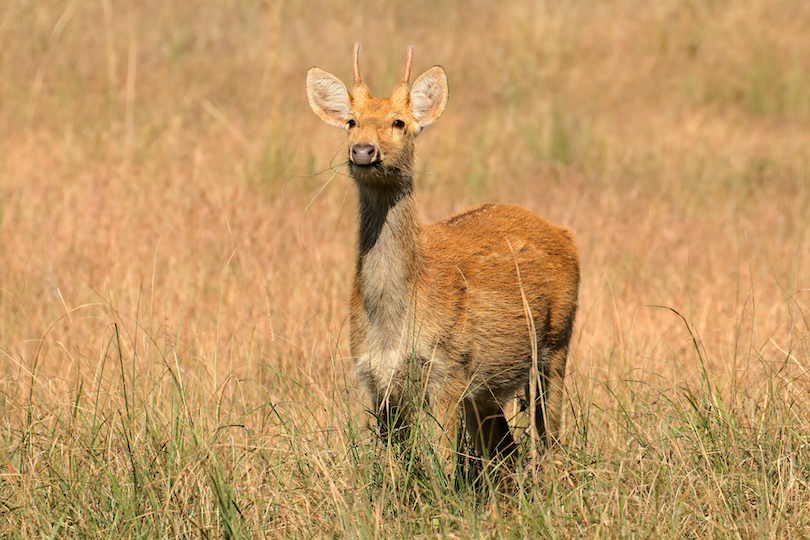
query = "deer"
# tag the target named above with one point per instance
(458, 316)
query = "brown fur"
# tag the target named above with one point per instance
(453, 314)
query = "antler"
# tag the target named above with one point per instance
(360, 91)
(357, 78)
(407, 76)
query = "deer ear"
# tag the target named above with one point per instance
(429, 95)
(328, 97)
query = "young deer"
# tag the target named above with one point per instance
(455, 315)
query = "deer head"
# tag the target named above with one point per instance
(381, 131)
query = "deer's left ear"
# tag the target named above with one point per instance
(328, 97)
(429, 95)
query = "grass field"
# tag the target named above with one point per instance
(175, 260)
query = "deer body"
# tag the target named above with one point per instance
(455, 314)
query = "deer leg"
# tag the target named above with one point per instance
(548, 407)
(489, 429)
(393, 418)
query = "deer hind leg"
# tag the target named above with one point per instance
(548, 407)
(489, 429)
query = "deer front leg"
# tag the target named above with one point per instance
(394, 417)
(443, 428)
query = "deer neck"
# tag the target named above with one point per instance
(388, 260)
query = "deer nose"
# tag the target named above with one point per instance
(364, 154)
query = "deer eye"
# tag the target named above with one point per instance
(399, 124)
(351, 123)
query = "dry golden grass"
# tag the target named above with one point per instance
(173, 278)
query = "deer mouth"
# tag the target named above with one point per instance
(367, 166)
(375, 168)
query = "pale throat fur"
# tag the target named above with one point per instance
(386, 323)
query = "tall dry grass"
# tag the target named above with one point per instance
(175, 257)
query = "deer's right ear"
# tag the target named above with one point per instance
(328, 97)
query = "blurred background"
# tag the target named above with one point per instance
(159, 164)
(167, 203)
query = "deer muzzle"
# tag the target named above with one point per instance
(364, 154)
